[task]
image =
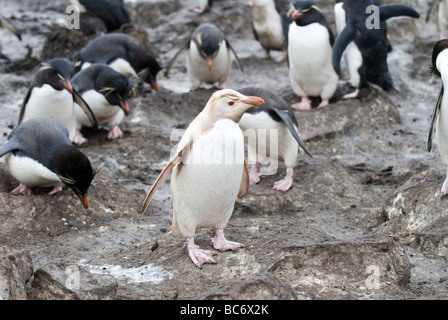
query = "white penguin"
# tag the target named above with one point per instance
(209, 57)
(310, 42)
(209, 172)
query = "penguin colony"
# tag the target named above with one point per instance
(65, 96)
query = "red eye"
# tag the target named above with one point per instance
(231, 103)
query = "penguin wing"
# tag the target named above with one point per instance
(238, 62)
(5, 24)
(343, 40)
(10, 145)
(173, 162)
(397, 10)
(290, 125)
(431, 9)
(245, 182)
(176, 57)
(433, 120)
(24, 103)
(85, 107)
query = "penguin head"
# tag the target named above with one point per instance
(57, 73)
(304, 12)
(208, 39)
(230, 104)
(115, 87)
(439, 57)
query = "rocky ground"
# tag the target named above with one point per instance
(364, 220)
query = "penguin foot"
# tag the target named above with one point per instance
(57, 188)
(222, 244)
(114, 133)
(197, 255)
(282, 57)
(286, 183)
(221, 85)
(23, 189)
(352, 95)
(305, 104)
(202, 9)
(79, 138)
(266, 55)
(324, 103)
(254, 174)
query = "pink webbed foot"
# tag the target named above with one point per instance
(114, 133)
(323, 103)
(23, 189)
(220, 243)
(305, 104)
(445, 185)
(57, 188)
(197, 255)
(286, 183)
(254, 174)
(79, 138)
(352, 95)
(282, 57)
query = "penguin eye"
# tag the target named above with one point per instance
(231, 103)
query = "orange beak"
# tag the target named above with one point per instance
(255, 101)
(84, 201)
(67, 86)
(124, 105)
(210, 64)
(155, 85)
(296, 14)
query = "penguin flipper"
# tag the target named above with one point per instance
(24, 103)
(85, 107)
(343, 40)
(397, 10)
(431, 9)
(290, 125)
(10, 145)
(238, 62)
(174, 161)
(176, 57)
(245, 182)
(5, 24)
(434, 118)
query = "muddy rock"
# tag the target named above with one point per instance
(16, 271)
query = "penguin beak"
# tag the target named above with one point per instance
(254, 101)
(155, 85)
(67, 86)
(209, 63)
(84, 200)
(296, 14)
(124, 105)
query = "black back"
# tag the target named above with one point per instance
(113, 12)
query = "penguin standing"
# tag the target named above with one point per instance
(442, 16)
(122, 54)
(5, 24)
(268, 27)
(51, 95)
(208, 58)
(276, 119)
(39, 153)
(371, 42)
(439, 121)
(310, 42)
(203, 6)
(107, 92)
(209, 172)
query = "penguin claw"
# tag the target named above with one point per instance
(23, 189)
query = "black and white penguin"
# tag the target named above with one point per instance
(107, 92)
(442, 15)
(272, 135)
(8, 26)
(113, 13)
(310, 47)
(203, 6)
(208, 57)
(439, 122)
(51, 95)
(268, 26)
(122, 54)
(370, 40)
(39, 153)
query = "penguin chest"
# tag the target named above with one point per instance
(124, 67)
(205, 187)
(268, 27)
(30, 172)
(442, 130)
(198, 69)
(105, 113)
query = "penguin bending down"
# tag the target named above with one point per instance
(310, 42)
(439, 121)
(371, 42)
(106, 91)
(5, 24)
(51, 95)
(209, 172)
(122, 54)
(208, 57)
(39, 153)
(275, 117)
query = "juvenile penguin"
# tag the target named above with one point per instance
(442, 15)
(51, 95)
(268, 27)
(272, 132)
(5, 24)
(370, 40)
(122, 54)
(39, 153)
(209, 172)
(107, 92)
(113, 13)
(310, 46)
(439, 121)
(208, 57)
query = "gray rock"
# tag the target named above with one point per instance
(15, 272)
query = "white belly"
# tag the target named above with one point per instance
(268, 26)
(105, 113)
(124, 67)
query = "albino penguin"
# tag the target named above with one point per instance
(272, 136)
(439, 121)
(209, 172)
(310, 42)
(208, 58)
